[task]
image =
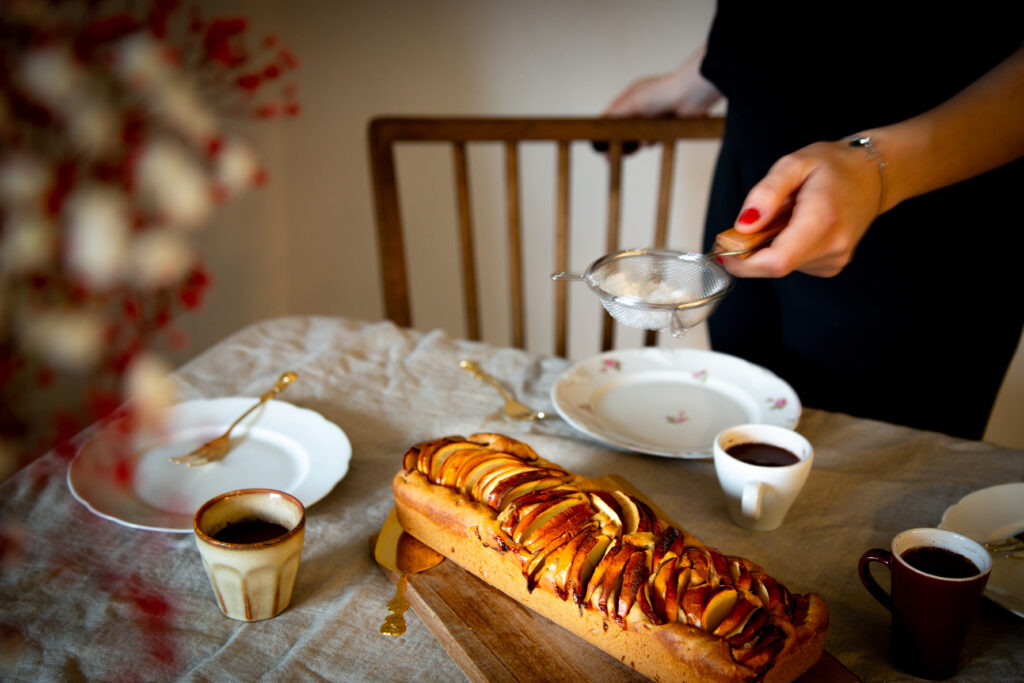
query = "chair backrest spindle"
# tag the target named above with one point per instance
(515, 245)
(668, 160)
(471, 298)
(614, 227)
(563, 175)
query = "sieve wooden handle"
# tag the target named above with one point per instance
(732, 240)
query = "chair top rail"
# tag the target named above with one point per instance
(500, 129)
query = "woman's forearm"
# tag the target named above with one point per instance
(979, 129)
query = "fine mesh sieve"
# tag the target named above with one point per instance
(662, 289)
(656, 289)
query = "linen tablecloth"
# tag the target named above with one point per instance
(84, 598)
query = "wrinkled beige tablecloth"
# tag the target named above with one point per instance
(83, 598)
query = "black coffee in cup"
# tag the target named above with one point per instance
(762, 454)
(939, 562)
(248, 531)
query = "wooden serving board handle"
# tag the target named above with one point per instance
(491, 637)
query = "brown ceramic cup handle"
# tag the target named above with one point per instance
(880, 556)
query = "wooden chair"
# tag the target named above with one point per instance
(386, 133)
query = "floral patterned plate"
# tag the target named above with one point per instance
(670, 402)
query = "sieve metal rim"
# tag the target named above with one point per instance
(639, 302)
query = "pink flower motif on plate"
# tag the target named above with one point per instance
(777, 403)
(701, 375)
(610, 364)
(678, 419)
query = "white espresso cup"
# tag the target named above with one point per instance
(759, 492)
(250, 541)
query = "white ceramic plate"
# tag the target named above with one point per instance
(992, 514)
(670, 402)
(279, 446)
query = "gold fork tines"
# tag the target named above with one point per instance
(1012, 547)
(217, 448)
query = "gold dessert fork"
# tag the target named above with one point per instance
(217, 448)
(513, 408)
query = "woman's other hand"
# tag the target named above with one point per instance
(682, 92)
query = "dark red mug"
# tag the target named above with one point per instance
(938, 577)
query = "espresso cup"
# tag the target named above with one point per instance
(938, 577)
(760, 490)
(250, 541)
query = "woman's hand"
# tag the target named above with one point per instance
(835, 192)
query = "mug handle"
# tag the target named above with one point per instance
(880, 556)
(753, 494)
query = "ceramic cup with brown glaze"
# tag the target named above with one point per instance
(250, 541)
(938, 577)
(761, 469)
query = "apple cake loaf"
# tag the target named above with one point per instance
(603, 565)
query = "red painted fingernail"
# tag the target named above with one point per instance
(749, 216)
(720, 260)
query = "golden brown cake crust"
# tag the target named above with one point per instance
(472, 535)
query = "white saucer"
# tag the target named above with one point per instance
(992, 514)
(280, 446)
(670, 402)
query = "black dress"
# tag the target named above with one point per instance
(920, 327)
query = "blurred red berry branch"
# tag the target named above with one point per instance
(113, 152)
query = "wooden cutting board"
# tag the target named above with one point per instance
(491, 637)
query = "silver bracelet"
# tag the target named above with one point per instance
(872, 154)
